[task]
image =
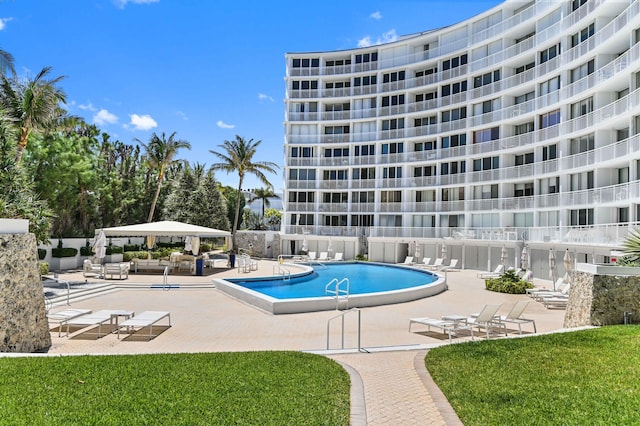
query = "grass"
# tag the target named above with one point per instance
(584, 377)
(266, 388)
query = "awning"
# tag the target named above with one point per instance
(167, 228)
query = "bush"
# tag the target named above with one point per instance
(509, 283)
(205, 247)
(114, 250)
(64, 252)
(86, 251)
(131, 247)
(42, 253)
(44, 268)
(361, 257)
(171, 245)
(128, 256)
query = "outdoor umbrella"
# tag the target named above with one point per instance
(417, 251)
(187, 244)
(151, 241)
(304, 244)
(195, 245)
(100, 245)
(330, 246)
(552, 267)
(444, 253)
(568, 267)
(504, 255)
(524, 259)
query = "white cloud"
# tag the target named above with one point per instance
(88, 107)
(142, 122)
(387, 37)
(376, 15)
(3, 23)
(224, 125)
(182, 115)
(122, 3)
(264, 97)
(103, 117)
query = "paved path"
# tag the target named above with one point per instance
(390, 385)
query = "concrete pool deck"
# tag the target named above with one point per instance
(391, 385)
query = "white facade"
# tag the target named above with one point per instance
(521, 124)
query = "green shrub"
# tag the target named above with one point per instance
(131, 247)
(361, 257)
(44, 268)
(114, 250)
(64, 252)
(509, 282)
(178, 244)
(205, 247)
(86, 251)
(128, 256)
(42, 253)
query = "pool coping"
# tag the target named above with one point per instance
(300, 305)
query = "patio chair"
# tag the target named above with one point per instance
(555, 302)
(407, 261)
(338, 256)
(488, 320)
(450, 327)
(323, 256)
(143, 320)
(515, 316)
(437, 264)
(563, 293)
(559, 287)
(98, 318)
(311, 255)
(425, 262)
(61, 317)
(90, 269)
(453, 265)
(495, 274)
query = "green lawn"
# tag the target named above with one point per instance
(266, 388)
(589, 377)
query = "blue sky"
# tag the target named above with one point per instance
(207, 70)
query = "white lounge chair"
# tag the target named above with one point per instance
(143, 320)
(437, 264)
(407, 261)
(98, 318)
(61, 317)
(453, 265)
(488, 320)
(495, 274)
(338, 256)
(515, 316)
(323, 256)
(311, 255)
(563, 293)
(425, 262)
(555, 302)
(449, 327)
(559, 287)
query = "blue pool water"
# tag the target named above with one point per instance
(363, 278)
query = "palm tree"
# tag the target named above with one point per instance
(263, 194)
(631, 247)
(238, 157)
(6, 62)
(33, 105)
(160, 154)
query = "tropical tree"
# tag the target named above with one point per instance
(32, 104)
(263, 194)
(273, 218)
(631, 249)
(238, 158)
(161, 152)
(6, 62)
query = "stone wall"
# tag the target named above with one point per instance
(23, 320)
(602, 299)
(262, 244)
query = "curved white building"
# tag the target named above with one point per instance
(518, 126)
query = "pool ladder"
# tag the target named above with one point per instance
(341, 316)
(340, 291)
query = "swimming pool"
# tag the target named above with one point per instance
(370, 284)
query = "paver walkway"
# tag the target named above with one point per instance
(391, 386)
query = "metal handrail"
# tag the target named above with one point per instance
(59, 281)
(342, 315)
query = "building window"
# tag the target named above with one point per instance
(302, 174)
(366, 57)
(524, 98)
(524, 159)
(524, 68)
(364, 173)
(581, 217)
(364, 150)
(582, 71)
(485, 192)
(581, 36)
(301, 197)
(304, 85)
(392, 172)
(424, 121)
(453, 168)
(454, 114)
(521, 129)
(550, 119)
(391, 197)
(363, 197)
(393, 124)
(306, 63)
(336, 152)
(453, 141)
(421, 97)
(393, 148)
(335, 197)
(486, 163)
(523, 189)
(486, 135)
(368, 80)
(304, 152)
(392, 100)
(393, 76)
(488, 78)
(550, 86)
(582, 144)
(425, 171)
(334, 175)
(452, 89)
(454, 62)
(575, 4)
(549, 152)
(337, 220)
(549, 53)
(424, 146)
(338, 63)
(581, 181)
(362, 220)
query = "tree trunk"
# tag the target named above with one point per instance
(235, 221)
(155, 198)
(22, 143)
